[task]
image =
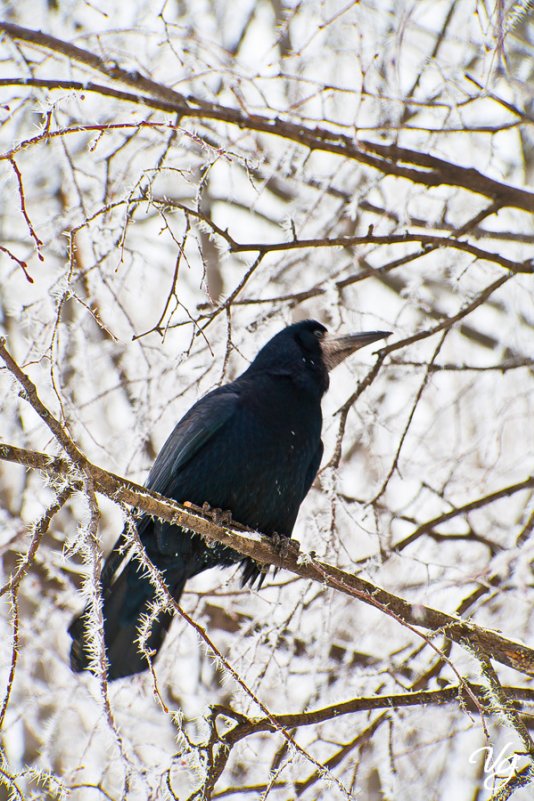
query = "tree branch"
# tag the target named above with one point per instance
(421, 168)
(245, 727)
(248, 543)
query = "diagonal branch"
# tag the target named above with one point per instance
(261, 549)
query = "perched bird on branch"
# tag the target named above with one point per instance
(252, 447)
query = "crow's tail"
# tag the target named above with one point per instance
(127, 596)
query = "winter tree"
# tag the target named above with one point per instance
(179, 181)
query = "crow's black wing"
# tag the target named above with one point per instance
(195, 429)
(190, 434)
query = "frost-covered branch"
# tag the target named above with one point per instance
(261, 549)
(402, 162)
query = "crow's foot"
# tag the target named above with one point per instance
(221, 517)
(284, 545)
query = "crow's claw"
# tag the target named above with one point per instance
(284, 545)
(221, 517)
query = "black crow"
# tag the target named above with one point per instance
(252, 447)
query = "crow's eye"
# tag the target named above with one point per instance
(319, 334)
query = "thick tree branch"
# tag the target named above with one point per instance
(421, 168)
(504, 650)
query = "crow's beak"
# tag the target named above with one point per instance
(337, 348)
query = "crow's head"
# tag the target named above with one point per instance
(306, 352)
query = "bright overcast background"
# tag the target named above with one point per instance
(179, 181)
